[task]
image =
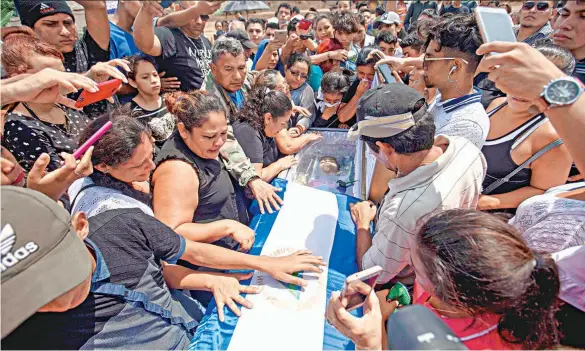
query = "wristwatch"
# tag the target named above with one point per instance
(562, 92)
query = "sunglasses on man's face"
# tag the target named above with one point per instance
(204, 18)
(540, 6)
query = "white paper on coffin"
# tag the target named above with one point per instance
(285, 318)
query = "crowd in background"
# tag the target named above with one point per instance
(477, 201)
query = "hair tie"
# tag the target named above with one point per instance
(538, 261)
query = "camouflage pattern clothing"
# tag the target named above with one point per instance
(232, 154)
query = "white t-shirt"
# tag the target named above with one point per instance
(463, 117)
(549, 223)
(452, 181)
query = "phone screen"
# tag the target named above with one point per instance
(355, 297)
(387, 73)
(280, 36)
(305, 24)
(497, 26)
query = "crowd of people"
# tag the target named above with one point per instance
(477, 201)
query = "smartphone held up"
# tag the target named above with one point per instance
(357, 284)
(105, 90)
(494, 24)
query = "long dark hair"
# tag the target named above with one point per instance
(261, 101)
(479, 263)
(115, 147)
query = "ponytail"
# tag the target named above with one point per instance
(530, 320)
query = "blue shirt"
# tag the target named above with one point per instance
(261, 48)
(237, 98)
(121, 43)
(315, 77)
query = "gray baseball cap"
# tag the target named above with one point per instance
(387, 18)
(386, 111)
(41, 256)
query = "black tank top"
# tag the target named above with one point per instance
(498, 155)
(220, 197)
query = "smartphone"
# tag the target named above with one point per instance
(305, 24)
(280, 35)
(105, 90)
(166, 3)
(494, 24)
(306, 36)
(349, 291)
(92, 140)
(386, 73)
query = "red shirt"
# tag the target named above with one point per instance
(479, 334)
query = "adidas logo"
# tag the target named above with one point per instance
(8, 257)
(44, 8)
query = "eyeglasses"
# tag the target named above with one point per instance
(426, 59)
(298, 74)
(540, 6)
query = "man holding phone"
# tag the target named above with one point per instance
(442, 173)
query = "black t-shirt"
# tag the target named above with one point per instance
(257, 146)
(28, 137)
(160, 121)
(183, 57)
(86, 53)
(132, 245)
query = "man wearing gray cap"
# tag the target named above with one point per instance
(44, 263)
(433, 174)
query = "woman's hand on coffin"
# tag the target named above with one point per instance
(266, 195)
(242, 234)
(287, 162)
(226, 290)
(282, 268)
(314, 136)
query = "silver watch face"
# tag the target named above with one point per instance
(562, 92)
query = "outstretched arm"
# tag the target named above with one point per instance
(96, 18)
(143, 33)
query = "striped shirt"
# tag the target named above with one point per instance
(462, 117)
(452, 181)
(580, 70)
(542, 33)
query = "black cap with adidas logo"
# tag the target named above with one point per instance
(41, 256)
(31, 11)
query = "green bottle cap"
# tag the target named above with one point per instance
(399, 292)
